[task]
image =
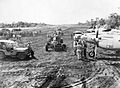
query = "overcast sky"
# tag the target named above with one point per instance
(56, 11)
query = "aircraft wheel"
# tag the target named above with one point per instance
(91, 54)
(2, 55)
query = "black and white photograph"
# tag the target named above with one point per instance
(59, 43)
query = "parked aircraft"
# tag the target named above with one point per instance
(107, 39)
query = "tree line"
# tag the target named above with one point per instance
(111, 22)
(21, 24)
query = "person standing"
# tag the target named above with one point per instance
(84, 48)
(75, 46)
(79, 49)
(32, 52)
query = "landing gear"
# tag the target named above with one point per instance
(91, 54)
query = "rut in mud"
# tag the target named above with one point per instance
(29, 73)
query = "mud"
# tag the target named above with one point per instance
(32, 73)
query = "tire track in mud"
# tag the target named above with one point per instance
(12, 70)
(47, 61)
(18, 68)
(49, 66)
(108, 72)
(78, 83)
(116, 73)
(99, 72)
(23, 73)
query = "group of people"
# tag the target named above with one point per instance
(55, 39)
(80, 47)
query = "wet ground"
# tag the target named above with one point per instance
(100, 73)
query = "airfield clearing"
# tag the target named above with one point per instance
(25, 74)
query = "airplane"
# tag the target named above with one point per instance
(106, 39)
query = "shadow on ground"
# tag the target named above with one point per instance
(16, 59)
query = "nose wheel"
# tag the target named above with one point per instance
(91, 54)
